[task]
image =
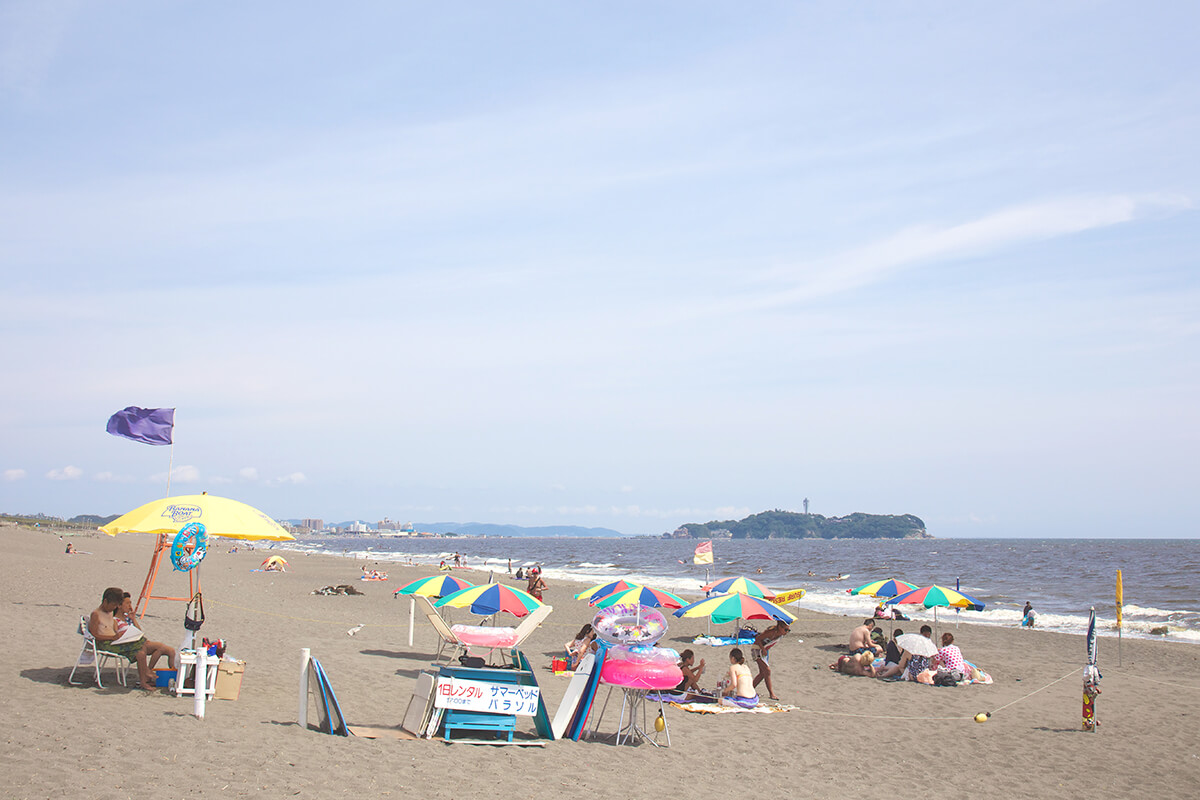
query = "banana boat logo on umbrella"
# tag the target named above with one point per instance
(789, 596)
(178, 512)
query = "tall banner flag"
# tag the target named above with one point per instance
(1091, 677)
(1120, 598)
(703, 553)
(147, 425)
(1120, 604)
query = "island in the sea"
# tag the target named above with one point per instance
(794, 525)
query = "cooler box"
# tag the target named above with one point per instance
(229, 680)
(163, 677)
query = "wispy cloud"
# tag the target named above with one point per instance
(290, 479)
(14, 474)
(111, 477)
(183, 474)
(67, 473)
(922, 245)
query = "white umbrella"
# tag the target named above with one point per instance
(916, 644)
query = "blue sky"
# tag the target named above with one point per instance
(625, 264)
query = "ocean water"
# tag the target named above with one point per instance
(1063, 578)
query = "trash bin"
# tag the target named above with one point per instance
(229, 680)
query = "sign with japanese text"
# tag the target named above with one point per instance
(489, 698)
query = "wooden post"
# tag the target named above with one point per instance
(302, 717)
(201, 681)
(412, 616)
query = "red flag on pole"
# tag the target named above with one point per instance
(704, 553)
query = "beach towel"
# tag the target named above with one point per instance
(679, 697)
(721, 641)
(715, 708)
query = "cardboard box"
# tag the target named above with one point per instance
(229, 680)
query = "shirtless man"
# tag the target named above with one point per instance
(103, 627)
(860, 639)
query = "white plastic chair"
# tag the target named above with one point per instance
(92, 656)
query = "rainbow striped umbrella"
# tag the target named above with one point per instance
(492, 598)
(888, 588)
(735, 606)
(642, 595)
(434, 586)
(601, 589)
(935, 596)
(740, 585)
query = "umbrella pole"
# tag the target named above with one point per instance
(412, 616)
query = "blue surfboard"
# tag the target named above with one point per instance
(579, 721)
(329, 711)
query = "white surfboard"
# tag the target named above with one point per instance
(570, 701)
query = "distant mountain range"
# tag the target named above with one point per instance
(490, 529)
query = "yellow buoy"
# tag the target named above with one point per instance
(660, 724)
(982, 716)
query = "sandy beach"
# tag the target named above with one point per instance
(845, 736)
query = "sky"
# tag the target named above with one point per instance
(622, 265)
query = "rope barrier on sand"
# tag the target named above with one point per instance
(340, 622)
(938, 719)
(299, 619)
(1035, 691)
(1150, 680)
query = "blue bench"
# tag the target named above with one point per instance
(458, 720)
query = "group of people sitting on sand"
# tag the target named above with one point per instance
(946, 667)
(737, 687)
(114, 628)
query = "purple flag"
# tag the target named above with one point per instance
(149, 425)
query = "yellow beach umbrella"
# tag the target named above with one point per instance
(220, 516)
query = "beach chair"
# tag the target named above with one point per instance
(446, 636)
(95, 658)
(530, 624)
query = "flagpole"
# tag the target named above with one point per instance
(170, 467)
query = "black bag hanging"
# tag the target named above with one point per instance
(190, 621)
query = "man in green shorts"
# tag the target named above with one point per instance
(106, 631)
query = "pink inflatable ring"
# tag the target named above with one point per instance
(484, 636)
(641, 668)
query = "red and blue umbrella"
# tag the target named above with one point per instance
(742, 585)
(492, 598)
(601, 589)
(434, 586)
(643, 596)
(886, 588)
(937, 596)
(735, 606)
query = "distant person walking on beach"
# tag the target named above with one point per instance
(536, 585)
(1027, 615)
